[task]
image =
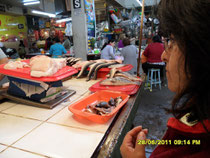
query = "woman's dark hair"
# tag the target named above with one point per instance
(188, 23)
(49, 39)
(156, 38)
(126, 42)
(56, 39)
(105, 44)
(21, 44)
(33, 44)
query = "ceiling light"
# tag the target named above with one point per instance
(139, 2)
(26, 1)
(63, 20)
(31, 3)
(44, 13)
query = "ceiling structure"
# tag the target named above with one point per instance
(100, 5)
(133, 3)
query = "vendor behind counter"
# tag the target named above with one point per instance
(57, 49)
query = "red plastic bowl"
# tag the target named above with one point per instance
(77, 107)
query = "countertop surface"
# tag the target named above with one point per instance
(32, 132)
(28, 131)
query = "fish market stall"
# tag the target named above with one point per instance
(91, 123)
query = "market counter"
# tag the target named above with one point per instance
(36, 132)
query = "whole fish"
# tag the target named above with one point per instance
(127, 75)
(84, 67)
(117, 81)
(102, 66)
(92, 69)
(75, 61)
(112, 72)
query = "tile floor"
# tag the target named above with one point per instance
(31, 132)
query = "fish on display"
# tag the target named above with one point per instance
(68, 60)
(75, 61)
(102, 107)
(79, 64)
(117, 66)
(84, 67)
(127, 75)
(102, 66)
(92, 69)
(112, 72)
(71, 61)
(118, 81)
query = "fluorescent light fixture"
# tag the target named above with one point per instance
(31, 3)
(139, 2)
(44, 13)
(12, 24)
(26, 1)
(63, 20)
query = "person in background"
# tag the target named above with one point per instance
(187, 57)
(129, 54)
(34, 48)
(120, 44)
(3, 60)
(107, 51)
(153, 54)
(21, 50)
(57, 49)
(67, 43)
(48, 43)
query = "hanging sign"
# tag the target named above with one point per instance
(77, 4)
(91, 19)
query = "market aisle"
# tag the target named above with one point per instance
(151, 114)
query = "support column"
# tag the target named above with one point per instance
(79, 27)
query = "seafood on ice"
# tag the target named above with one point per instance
(45, 66)
(15, 65)
(103, 107)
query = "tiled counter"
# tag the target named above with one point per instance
(31, 132)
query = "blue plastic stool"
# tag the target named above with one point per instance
(152, 78)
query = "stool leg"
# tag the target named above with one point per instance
(151, 81)
(159, 80)
(148, 78)
(155, 78)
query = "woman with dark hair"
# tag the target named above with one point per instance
(153, 54)
(107, 51)
(21, 50)
(187, 56)
(129, 54)
(48, 43)
(57, 49)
